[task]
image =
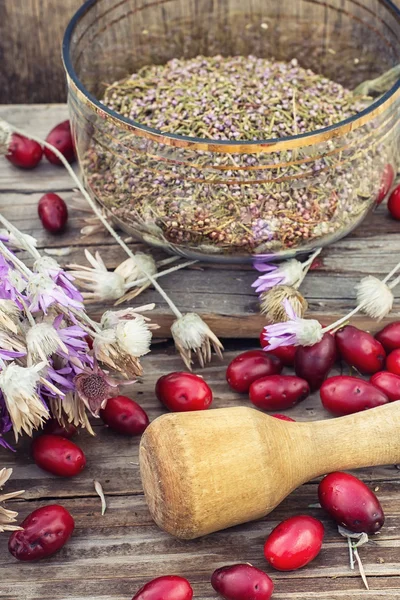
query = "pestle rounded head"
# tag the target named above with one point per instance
(209, 470)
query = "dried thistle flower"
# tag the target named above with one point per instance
(100, 284)
(43, 340)
(107, 350)
(134, 336)
(131, 270)
(192, 334)
(111, 318)
(7, 516)
(374, 297)
(19, 386)
(272, 303)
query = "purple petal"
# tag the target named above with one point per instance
(289, 310)
(264, 267)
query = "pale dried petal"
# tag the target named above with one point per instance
(192, 334)
(272, 303)
(99, 489)
(108, 351)
(9, 316)
(70, 409)
(5, 136)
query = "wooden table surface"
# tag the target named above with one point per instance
(110, 557)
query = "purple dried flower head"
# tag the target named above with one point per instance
(294, 332)
(289, 272)
(45, 265)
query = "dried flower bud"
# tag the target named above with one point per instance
(374, 297)
(192, 334)
(272, 303)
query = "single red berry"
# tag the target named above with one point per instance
(24, 152)
(242, 582)
(168, 587)
(58, 456)
(249, 366)
(360, 350)
(394, 203)
(181, 392)
(388, 383)
(386, 183)
(294, 543)
(124, 416)
(389, 336)
(393, 362)
(44, 532)
(351, 503)
(53, 213)
(61, 138)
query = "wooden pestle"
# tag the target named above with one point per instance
(207, 470)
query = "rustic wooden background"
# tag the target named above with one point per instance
(31, 32)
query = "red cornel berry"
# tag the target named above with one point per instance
(53, 213)
(58, 455)
(394, 203)
(169, 587)
(181, 392)
(242, 582)
(386, 183)
(294, 543)
(45, 531)
(351, 503)
(24, 152)
(61, 138)
(249, 366)
(125, 416)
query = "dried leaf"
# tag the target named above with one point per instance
(99, 489)
(361, 567)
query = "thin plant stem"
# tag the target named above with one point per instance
(392, 272)
(24, 242)
(104, 221)
(139, 282)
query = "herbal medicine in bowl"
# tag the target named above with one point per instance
(224, 199)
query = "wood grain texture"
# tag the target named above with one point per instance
(30, 49)
(220, 293)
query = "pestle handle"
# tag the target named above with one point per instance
(364, 439)
(208, 470)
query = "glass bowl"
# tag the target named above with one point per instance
(232, 200)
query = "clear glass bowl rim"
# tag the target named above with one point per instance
(306, 139)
